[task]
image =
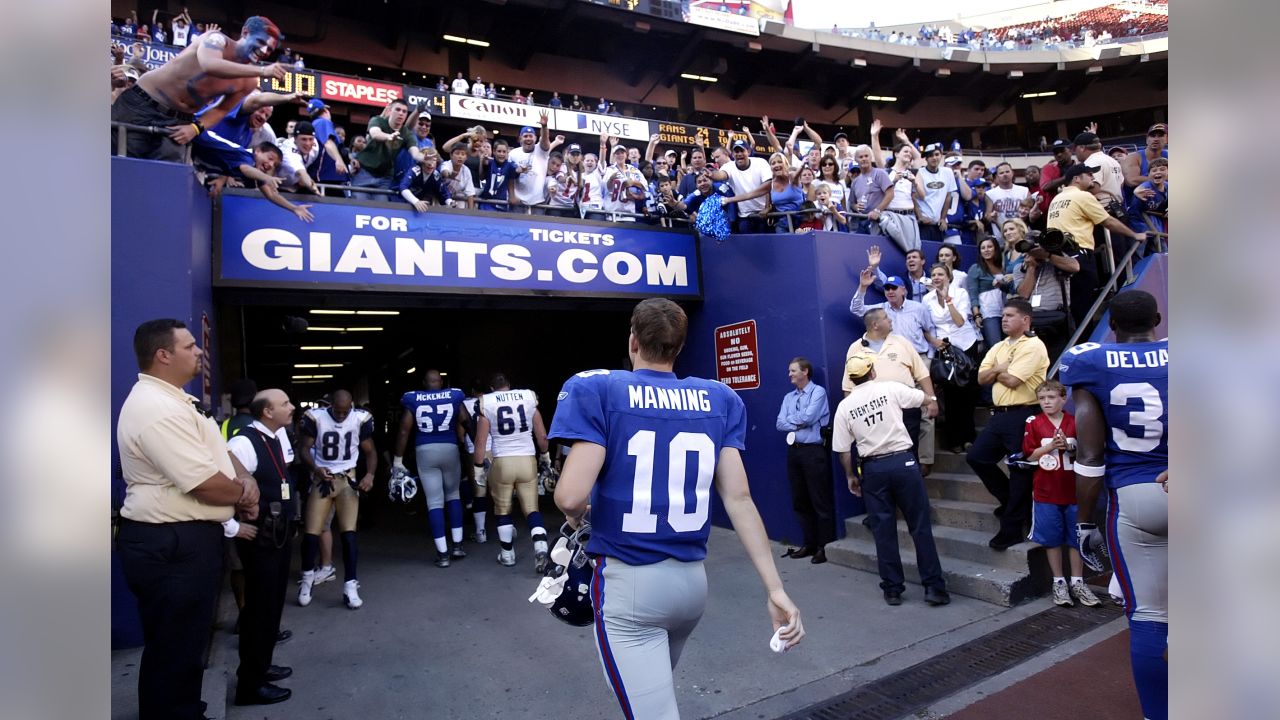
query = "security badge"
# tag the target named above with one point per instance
(284, 490)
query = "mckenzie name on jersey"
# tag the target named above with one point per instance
(337, 445)
(435, 413)
(662, 438)
(1131, 383)
(510, 415)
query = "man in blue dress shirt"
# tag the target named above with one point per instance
(911, 320)
(803, 414)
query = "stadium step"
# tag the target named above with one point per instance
(961, 511)
(983, 581)
(956, 486)
(958, 543)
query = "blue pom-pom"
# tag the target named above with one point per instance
(711, 220)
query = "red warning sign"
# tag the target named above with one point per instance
(737, 360)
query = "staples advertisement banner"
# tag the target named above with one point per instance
(593, 124)
(493, 111)
(355, 90)
(390, 249)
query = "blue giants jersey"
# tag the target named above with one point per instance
(435, 414)
(662, 437)
(1131, 383)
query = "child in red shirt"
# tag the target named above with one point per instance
(1049, 442)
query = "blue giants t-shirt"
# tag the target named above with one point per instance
(435, 413)
(328, 172)
(662, 437)
(1131, 383)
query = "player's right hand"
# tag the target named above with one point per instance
(1093, 547)
(783, 612)
(482, 476)
(274, 71)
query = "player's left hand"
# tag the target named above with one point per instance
(855, 486)
(1163, 479)
(366, 483)
(303, 213)
(784, 612)
(1093, 547)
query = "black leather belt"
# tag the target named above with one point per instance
(1013, 408)
(885, 455)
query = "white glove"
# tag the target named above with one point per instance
(397, 463)
(1093, 547)
(482, 476)
(544, 461)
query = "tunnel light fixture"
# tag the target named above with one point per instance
(880, 98)
(466, 40)
(312, 377)
(1047, 93)
(332, 312)
(703, 78)
(411, 370)
(331, 347)
(377, 312)
(344, 329)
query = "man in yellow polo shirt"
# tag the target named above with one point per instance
(1014, 368)
(898, 361)
(1075, 210)
(180, 484)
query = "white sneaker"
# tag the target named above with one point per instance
(304, 588)
(1083, 594)
(324, 574)
(481, 537)
(1061, 595)
(507, 557)
(350, 592)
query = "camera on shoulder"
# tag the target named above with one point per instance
(1053, 241)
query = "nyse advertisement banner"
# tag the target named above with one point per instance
(593, 124)
(737, 357)
(367, 248)
(355, 90)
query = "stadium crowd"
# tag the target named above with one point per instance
(1041, 246)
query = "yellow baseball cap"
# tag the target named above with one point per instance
(858, 365)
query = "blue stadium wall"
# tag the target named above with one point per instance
(161, 258)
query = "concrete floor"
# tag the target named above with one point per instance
(463, 642)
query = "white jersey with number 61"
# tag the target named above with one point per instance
(510, 415)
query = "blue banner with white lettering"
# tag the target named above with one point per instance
(368, 247)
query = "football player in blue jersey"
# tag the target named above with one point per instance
(647, 447)
(436, 418)
(1121, 393)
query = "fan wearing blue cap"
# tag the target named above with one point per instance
(531, 163)
(332, 167)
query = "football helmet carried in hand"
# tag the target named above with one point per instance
(548, 478)
(403, 487)
(566, 590)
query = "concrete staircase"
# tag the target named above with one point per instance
(961, 513)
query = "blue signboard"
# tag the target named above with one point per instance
(382, 247)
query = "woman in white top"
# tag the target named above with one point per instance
(948, 305)
(948, 256)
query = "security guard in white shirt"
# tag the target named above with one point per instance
(871, 418)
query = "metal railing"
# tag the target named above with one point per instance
(1095, 310)
(122, 130)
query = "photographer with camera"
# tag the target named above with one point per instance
(1049, 261)
(262, 451)
(1076, 212)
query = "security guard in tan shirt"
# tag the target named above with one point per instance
(896, 360)
(871, 417)
(180, 484)
(1014, 367)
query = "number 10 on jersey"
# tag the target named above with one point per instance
(642, 446)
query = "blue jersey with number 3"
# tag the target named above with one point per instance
(434, 414)
(662, 437)
(1131, 383)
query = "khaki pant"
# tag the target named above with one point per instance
(926, 425)
(344, 497)
(514, 474)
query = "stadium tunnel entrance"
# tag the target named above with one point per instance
(379, 347)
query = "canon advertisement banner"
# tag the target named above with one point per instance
(383, 248)
(493, 111)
